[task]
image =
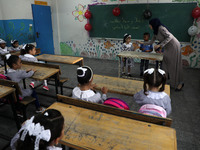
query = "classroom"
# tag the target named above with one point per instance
(99, 74)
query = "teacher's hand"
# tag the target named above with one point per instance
(156, 46)
(139, 42)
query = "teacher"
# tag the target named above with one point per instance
(172, 62)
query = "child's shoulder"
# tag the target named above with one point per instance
(53, 148)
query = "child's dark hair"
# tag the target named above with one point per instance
(13, 42)
(154, 79)
(26, 49)
(12, 60)
(147, 33)
(84, 75)
(51, 119)
(125, 37)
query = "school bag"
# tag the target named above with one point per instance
(151, 109)
(115, 102)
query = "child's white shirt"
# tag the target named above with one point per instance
(127, 47)
(53, 148)
(88, 95)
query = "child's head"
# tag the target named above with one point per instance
(41, 131)
(2, 43)
(28, 49)
(127, 38)
(146, 36)
(14, 43)
(84, 75)
(14, 62)
(154, 78)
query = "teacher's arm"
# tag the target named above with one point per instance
(148, 43)
(167, 36)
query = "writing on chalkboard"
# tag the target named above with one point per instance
(124, 24)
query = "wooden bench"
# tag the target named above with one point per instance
(26, 100)
(115, 111)
(61, 80)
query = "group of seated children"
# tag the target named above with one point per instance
(127, 63)
(152, 99)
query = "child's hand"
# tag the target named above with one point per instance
(104, 90)
(28, 70)
(156, 46)
(139, 42)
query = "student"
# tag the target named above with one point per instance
(27, 54)
(145, 48)
(40, 132)
(3, 50)
(14, 45)
(85, 89)
(159, 103)
(127, 62)
(16, 75)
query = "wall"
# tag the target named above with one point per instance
(75, 41)
(16, 20)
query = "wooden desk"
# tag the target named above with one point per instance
(120, 85)
(89, 129)
(61, 59)
(8, 91)
(42, 73)
(140, 55)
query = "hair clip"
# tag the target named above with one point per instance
(149, 71)
(46, 114)
(83, 69)
(161, 71)
(24, 46)
(12, 41)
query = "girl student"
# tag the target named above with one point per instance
(14, 45)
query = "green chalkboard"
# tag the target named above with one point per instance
(175, 16)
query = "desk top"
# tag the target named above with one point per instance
(120, 85)
(42, 73)
(5, 90)
(59, 58)
(88, 129)
(141, 55)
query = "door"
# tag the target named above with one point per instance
(43, 28)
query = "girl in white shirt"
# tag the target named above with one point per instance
(40, 132)
(85, 89)
(27, 54)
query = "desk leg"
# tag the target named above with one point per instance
(24, 83)
(56, 83)
(12, 98)
(119, 67)
(81, 63)
(5, 65)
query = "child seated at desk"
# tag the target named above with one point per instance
(16, 75)
(40, 132)
(3, 50)
(152, 99)
(145, 48)
(85, 89)
(27, 54)
(127, 62)
(14, 46)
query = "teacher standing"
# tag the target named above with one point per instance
(172, 62)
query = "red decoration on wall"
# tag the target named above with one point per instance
(88, 14)
(88, 27)
(196, 12)
(116, 11)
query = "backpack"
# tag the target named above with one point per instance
(115, 102)
(151, 109)
(4, 77)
